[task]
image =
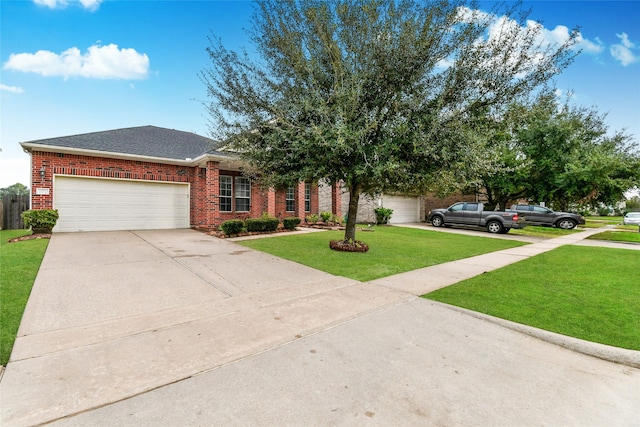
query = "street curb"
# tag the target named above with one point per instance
(609, 353)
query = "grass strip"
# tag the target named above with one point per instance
(589, 293)
(19, 264)
(540, 231)
(617, 236)
(393, 250)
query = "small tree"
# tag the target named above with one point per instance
(16, 189)
(379, 95)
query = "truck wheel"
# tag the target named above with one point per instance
(494, 227)
(566, 224)
(437, 221)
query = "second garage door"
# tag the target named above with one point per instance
(90, 204)
(405, 209)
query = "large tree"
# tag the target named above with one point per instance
(553, 152)
(379, 95)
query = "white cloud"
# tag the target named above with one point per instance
(560, 34)
(61, 4)
(99, 62)
(91, 4)
(557, 36)
(12, 89)
(52, 4)
(624, 52)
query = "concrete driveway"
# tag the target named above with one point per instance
(167, 328)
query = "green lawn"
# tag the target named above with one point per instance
(19, 264)
(392, 250)
(584, 292)
(601, 221)
(617, 236)
(539, 231)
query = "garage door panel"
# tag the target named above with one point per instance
(405, 209)
(89, 204)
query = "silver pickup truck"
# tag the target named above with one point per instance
(539, 215)
(472, 214)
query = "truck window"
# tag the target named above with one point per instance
(471, 207)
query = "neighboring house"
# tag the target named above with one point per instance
(154, 178)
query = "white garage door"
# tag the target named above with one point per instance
(405, 209)
(90, 204)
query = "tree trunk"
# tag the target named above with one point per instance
(504, 204)
(354, 196)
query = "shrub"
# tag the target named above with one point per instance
(604, 211)
(326, 216)
(291, 223)
(383, 215)
(40, 220)
(262, 224)
(232, 226)
(312, 219)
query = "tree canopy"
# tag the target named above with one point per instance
(16, 189)
(383, 96)
(559, 154)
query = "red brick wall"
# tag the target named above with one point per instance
(70, 164)
(204, 205)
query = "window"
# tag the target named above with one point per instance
(291, 199)
(307, 197)
(471, 207)
(540, 209)
(225, 194)
(243, 194)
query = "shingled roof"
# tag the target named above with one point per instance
(148, 141)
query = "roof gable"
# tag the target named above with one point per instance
(148, 141)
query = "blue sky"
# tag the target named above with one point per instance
(70, 67)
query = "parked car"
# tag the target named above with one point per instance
(539, 215)
(632, 218)
(474, 215)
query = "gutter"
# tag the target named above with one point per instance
(229, 161)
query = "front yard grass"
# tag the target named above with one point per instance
(19, 264)
(601, 221)
(393, 250)
(617, 236)
(539, 231)
(585, 292)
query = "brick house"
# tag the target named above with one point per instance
(154, 178)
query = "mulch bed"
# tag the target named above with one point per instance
(351, 246)
(30, 237)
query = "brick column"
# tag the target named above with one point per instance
(336, 199)
(212, 192)
(44, 185)
(271, 203)
(300, 212)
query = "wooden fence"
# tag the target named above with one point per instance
(11, 207)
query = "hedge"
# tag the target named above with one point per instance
(232, 226)
(291, 223)
(262, 224)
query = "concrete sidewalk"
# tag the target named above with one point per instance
(179, 328)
